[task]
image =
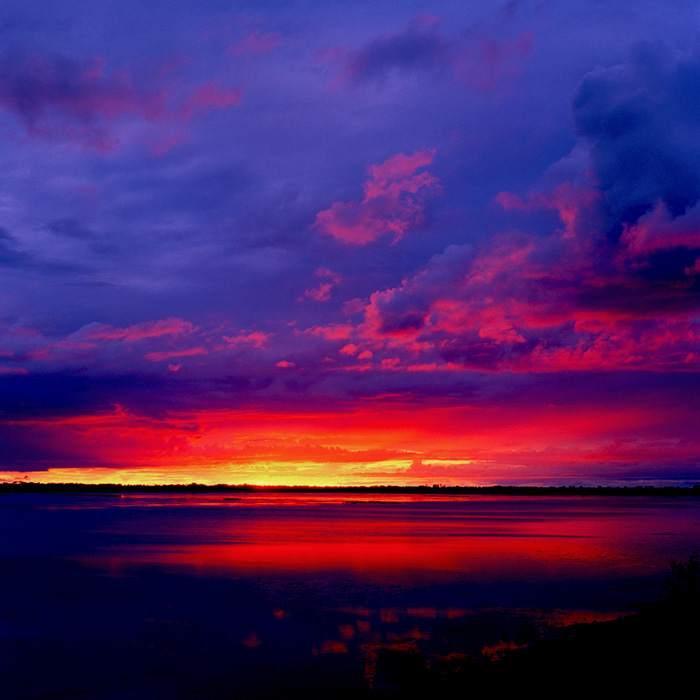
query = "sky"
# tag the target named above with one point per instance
(363, 242)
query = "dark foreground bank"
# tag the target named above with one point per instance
(652, 650)
(175, 656)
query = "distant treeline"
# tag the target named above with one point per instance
(435, 489)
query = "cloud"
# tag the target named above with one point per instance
(485, 63)
(140, 331)
(614, 286)
(10, 255)
(641, 121)
(640, 127)
(527, 302)
(574, 205)
(130, 269)
(169, 354)
(209, 97)
(83, 101)
(5, 371)
(658, 230)
(256, 339)
(418, 47)
(474, 57)
(70, 228)
(393, 202)
(403, 311)
(323, 291)
(56, 97)
(336, 331)
(256, 43)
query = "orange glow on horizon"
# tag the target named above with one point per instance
(361, 444)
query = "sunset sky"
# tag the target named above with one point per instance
(350, 242)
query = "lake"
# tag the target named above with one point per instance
(256, 595)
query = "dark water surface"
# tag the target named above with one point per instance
(306, 595)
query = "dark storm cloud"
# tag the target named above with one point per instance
(642, 119)
(88, 102)
(9, 254)
(57, 97)
(418, 47)
(72, 228)
(477, 57)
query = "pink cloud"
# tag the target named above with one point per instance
(693, 269)
(526, 302)
(162, 143)
(285, 364)
(6, 371)
(338, 331)
(657, 230)
(256, 42)
(323, 291)
(320, 293)
(574, 205)
(210, 97)
(166, 355)
(393, 202)
(432, 367)
(358, 368)
(257, 339)
(140, 331)
(665, 345)
(353, 306)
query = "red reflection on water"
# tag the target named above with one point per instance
(400, 539)
(465, 555)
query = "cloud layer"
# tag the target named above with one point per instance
(378, 246)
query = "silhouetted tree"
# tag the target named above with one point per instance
(683, 587)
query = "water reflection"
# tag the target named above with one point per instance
(180, 593)
(401, 539)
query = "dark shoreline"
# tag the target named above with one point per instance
(653, 648)
(77, 489)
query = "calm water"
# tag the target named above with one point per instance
(223, 596)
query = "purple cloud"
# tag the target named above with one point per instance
(256, 43)
(56, 97)
(474, 58)
(61, 99)
(640, 119)
(418, 47)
